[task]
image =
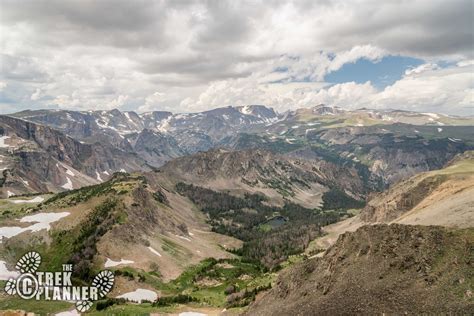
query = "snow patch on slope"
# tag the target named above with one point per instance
(246, 110)
(182, 237)
(41, 220)
(154, 251)
(68, 184)
(433, 115)
(111, 263)
(2, 142)
(6, 274)
(140, 294)
(37, 199)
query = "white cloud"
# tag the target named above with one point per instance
(114, 53)
(445, 90)
(36, 95)
(116, 103)
(152, 102)
(65, 101)
(368, 52)
(464, 63)
(421, 68)
(425, 88)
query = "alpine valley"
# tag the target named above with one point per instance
(243, 210)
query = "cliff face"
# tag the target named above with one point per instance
(255, 170)
(400, 199)
(380, 269)
(388, 146)
(113, 125)
(421, 198)
(390, 154)
(36, 158)
(154, 147)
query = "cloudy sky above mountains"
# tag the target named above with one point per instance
(187, 56)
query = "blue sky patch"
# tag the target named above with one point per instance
(381, 74)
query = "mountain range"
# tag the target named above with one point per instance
(243, 210)
(384, 146)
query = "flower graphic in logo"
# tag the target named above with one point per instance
(83, 306)
(104, 282)
(29, 263)
(10, 287)
(29, 284)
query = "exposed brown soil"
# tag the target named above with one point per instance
(378, 269)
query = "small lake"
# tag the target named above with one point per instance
(276, 221)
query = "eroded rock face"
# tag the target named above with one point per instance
(379, 269)
(256, 169)
(400, 199)
(423, 193)
(41, 159)
(154, 147)
(155, 136)
(392, 157)
(114, 125)
(382, 152)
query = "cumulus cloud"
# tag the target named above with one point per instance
(425, 88)
(448, 90)
(153, 101)
(367, 51)
(428, 88)
(87, 54)
(36, 95)
(116, 103)
(421, 68)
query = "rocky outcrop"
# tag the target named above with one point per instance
(424, 192)
(381, 153)
(391, 156)
(257, 170)
(154, 147)
(40, 159)
(391, 204)
(394, 269)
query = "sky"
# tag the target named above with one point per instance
(189, 56)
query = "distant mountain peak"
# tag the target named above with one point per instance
(257, 110)
(322, 109)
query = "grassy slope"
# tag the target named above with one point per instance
(62, 247)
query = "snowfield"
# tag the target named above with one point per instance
(37, 199)
(154, 251)
(68, 184)
(6, 274)
(2, 141)
(140, 294)
(111, 263)
(41, 220)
